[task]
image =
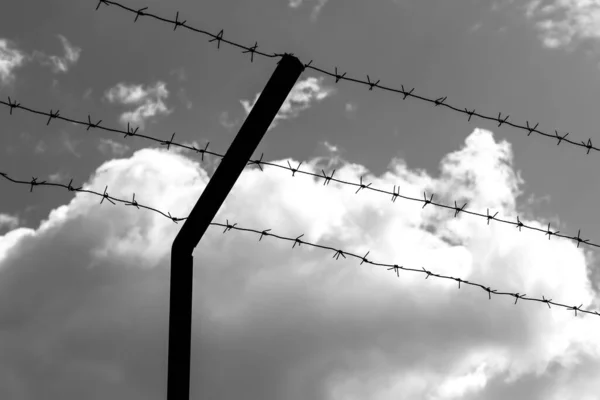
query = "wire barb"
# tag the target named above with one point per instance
(133, 203)
(439, 101)
(264, 233)
(133, 132)
(229, 226)
(430, 201)
(130, 132)
(579, 239)
(519, 224)
(105, 196)
(575, 308)
(337, 252)
(12, 105)
(71, 188)
(101, 2)
(362, 186)
(140, 13)
(560, 138)
(177, 22)
(470, 113)
(294, 170)
(394, 194)
(257, 162)
(251, 50)
(501, 121)
(588, 145)
(52, 115)
(371, 84)
(457, 209)
(168, 143)
(90, 125)
(218, 39)
(405, 93)
(396, 269)
(327, 179)
(489, 217)
(531, 129)
(364, 258)
(547, 301)
(338, 76)
(550, 233)
(518, 296)
(297, 241)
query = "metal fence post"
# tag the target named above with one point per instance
(235, 160)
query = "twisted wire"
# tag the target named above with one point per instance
(298, 241)
(437, 101)
(395, 193)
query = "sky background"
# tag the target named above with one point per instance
(84, 286)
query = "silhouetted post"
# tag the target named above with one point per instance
(235, 160)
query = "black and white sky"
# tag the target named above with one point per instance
(84, 285)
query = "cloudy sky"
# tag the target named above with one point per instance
(84, 285)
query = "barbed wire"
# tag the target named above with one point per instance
(297, 241)
(13, 104)
(439, 101)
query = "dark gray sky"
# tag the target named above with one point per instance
(84, 286)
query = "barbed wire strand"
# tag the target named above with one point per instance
(327, 179)
(298, 241)
(439, 101)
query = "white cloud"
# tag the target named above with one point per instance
(226, 122)
(351, 108)
(59, 64)
(69, 144)
(40, 147)
(8, 221)
(56, 177)
(84, 297)
(301, 97)
(110, 147)
(149, 101)
(316, 9)
(564, 23)
(10, 59)
(70, 57)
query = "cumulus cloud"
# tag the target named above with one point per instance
(149, 101)
(84, 297)
(10, 59)
(301, 97)
(111, 148)
(563, 23)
